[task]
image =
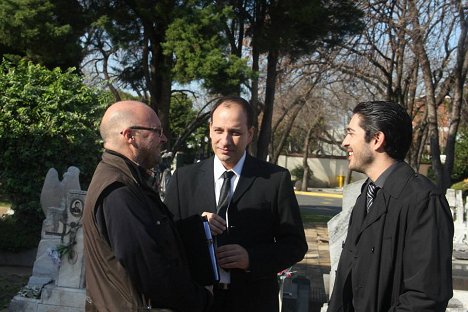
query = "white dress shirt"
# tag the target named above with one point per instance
(218, 171)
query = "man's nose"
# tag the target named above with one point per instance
(345, 142)
(163, 138)
(226, 138)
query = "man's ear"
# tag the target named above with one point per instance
(378, 140)
(128, 135)
(251, 132)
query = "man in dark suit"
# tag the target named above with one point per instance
(258, 228)
(398, 251)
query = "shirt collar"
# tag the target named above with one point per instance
(383, 177)
(219, 168)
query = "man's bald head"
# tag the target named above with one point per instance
(122, 115)
(133, 129)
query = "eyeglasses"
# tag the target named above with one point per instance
(158, 131)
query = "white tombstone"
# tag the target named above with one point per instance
(72, 266)
(450, 196)
(52, 191)
(460, 239)
(338, 226)
(459, 207)
(59, 281)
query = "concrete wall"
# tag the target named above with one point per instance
(324, 169)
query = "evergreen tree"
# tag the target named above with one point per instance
(46, 32)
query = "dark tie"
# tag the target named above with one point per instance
(223, 202)
(371, 192)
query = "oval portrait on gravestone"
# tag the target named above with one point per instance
(76, 208)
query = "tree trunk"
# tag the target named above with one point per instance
(457, 101)
(265, 128)
(160, 84)
(305, 158)
(254, 100)
(259, 18)
(285, 134)
(419, 50)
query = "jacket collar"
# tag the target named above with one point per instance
(398, 180)
(393, 187)
(129, 168)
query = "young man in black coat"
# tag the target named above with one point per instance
(398, 251)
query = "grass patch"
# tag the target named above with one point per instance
(312, 217)
(9, 287)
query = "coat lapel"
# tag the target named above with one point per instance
(378, 208)
(358, 216)
(205, 185)
(246, 179)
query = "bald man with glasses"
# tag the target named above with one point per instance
(134, 258)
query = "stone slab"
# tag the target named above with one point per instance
(21, 304)
(44, 265)
(64, 297)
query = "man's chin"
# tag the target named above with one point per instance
(224, 157)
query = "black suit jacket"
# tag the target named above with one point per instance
(399, 256)
(264, 218)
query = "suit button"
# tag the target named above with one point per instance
(372, 249)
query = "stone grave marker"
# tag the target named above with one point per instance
(57, 281)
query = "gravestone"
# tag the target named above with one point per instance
(460, 241)
(338, 230)
(57, 281)
(338, 226)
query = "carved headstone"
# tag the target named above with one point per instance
(460, 241)
(57, 280)
(72, 266)
(338, 226)
(52, 191)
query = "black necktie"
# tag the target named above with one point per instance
(223, 202)
(371, 192)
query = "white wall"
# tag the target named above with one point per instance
(325, 169)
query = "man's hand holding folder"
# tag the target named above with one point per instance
(199, 247)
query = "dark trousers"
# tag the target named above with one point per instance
(261, 299)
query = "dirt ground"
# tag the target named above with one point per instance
(11, 281)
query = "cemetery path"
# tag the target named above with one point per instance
(316, 262)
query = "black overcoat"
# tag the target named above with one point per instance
(399, 256)
(264, 218)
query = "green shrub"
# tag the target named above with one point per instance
(298, 173)
(462, 185)
(48, 118)
(460, 167)
(18, 235)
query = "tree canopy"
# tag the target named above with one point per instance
(46, 32)
(49, 120)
